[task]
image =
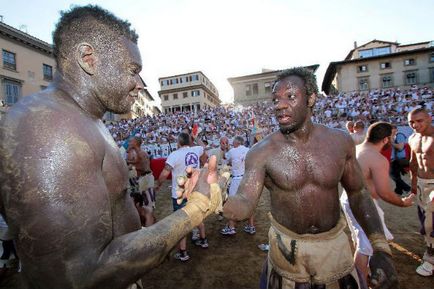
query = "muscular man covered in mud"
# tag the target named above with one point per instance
(302, 165)
(63, 180)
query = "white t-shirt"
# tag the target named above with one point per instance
(180, 159)
(237, 157)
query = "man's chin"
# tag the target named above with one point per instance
(120, 110)
(286, 129)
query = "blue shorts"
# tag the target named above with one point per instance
(176, 207)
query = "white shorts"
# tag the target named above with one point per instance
(235, 183)
(361, 241)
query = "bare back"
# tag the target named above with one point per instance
(372, 163)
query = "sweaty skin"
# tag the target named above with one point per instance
(63, 180)
(422, 147)
(139, 159)
(301, 165)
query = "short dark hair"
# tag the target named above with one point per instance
(378, 131)
(184, 139)
(418, 110)
(359, 124)
(78, 25)
(239, 139)
(138, 140)
(307, 75)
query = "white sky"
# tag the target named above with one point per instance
(227, 38)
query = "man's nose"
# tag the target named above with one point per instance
(139, 83)
(280, 104)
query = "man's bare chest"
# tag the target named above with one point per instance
(294, 168)
(114, 171)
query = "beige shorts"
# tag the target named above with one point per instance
(425, 211)
(146, 187)
(320, 259)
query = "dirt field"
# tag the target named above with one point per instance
(236, 262)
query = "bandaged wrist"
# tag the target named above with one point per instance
(379, 243)
(196, 209)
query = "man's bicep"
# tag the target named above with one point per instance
(254, 176)
(352, 177)
(380, 177)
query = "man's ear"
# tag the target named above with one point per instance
(311, 100)
(86, 57)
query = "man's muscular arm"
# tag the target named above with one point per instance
(380, 177)
(383, 271)
(163, 175)
(413, 166)
(242, 205)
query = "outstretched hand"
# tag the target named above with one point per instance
(200, 181)
(383, 273)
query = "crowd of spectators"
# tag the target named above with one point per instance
(159, 132)
(391, 105)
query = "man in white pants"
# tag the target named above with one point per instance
(375, 168)
(236, 157)
(185, 156)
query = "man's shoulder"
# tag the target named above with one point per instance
(332, 133)
(370, 156)
(42, 107)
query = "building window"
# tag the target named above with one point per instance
(410, 78)
(175, 96)
(431, 59)
(362, 68)
(9, 60)
(431, 73)
(248, 90)
(255, 89)
(267, 87)
(387, 81)
(195, 92)
(374, 52)
(385, 65)
(12, 91)
(363, 84)
(194, 77)
(48, 72)
(166, 97)
(409, 61)
(184, 94)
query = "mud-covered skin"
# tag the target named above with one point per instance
(63, 181)
(301, 165)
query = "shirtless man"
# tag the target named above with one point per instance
(375, 169)
(139, 161)
(302, 165)
(422, 180)
(63, 181)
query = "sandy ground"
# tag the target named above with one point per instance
(236, 262)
